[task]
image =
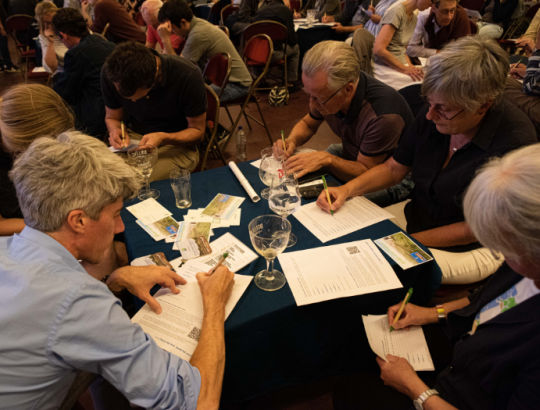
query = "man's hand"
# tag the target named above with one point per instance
(216, 287)
(416, 73)
(115, 138)
(155, 138)
(84, 6)
(372, 9)
(165, 30)
(291, 146)
(399, 374)
(307, 162)
(518, 71)
(526, 43)
(338, 196)
(339, 28)
(138, 280)
(297, 15)
(49, 35)
(327, 19)
(412, 315)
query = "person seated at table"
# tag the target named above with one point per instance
(495, 330)
(322, 8)
(367, 115)
(496, 17)
(352, 18)
(238, 21)
(52, 48)
(528, 40)
(445, 21)
(122, 27)
(163, 96)
(79, 83)
(463, 125)
(392, 65)
(71, 191)
(149, 12)
(204, 41)
(279, 11)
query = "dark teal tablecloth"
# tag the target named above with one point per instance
(271, 342)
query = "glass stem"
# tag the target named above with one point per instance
(148, 184)
(270, 267)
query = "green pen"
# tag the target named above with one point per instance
(220, 261)
(283, 139)
(400, 311)
(327, 194)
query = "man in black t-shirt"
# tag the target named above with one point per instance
(160, 97)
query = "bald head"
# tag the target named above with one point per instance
(150, 10)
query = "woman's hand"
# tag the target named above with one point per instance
(518, 71)
(412, 315)
(399, 374)
(416, 73)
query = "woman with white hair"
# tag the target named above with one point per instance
(465, 122)
(495, 362)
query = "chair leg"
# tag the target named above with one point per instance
(264, 122)
(236, 122)
(229, 114)
(285, 68)
(247, 120)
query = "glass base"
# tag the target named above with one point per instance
(270, 281)
(153, 193)
(292, 240)
(265, 193)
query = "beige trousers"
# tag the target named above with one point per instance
(457, 268)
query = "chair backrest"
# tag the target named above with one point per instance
(18, 22)
(532, 10)
(472, 4)
(413, 96)
(276, 31)
(227, 11)
(296, 5)
(218, 70)
(104, 32)
(212, 121)
(216, 8)
(225, 30)
(474, 27)
(258, 51)
(342, 5)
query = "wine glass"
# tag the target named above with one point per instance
(145, 157)
(285, 199)
(311, 17)
(271, 167)
(269, 235)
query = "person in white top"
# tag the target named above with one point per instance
(53, 49)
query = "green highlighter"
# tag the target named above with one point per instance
(400, 311)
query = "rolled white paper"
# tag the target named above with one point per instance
(249, 189)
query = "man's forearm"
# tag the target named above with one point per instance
(167, 46)
(345, 170)
(301, 133)
(10, 226)
(377, 178)
(209, 358)
(50, 59)
(418, 50)
(189, 136)
(445, 236)
(112, 124)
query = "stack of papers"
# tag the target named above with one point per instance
(403, 250)
(155, 219)
(410, 345)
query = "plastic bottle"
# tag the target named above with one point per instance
(240, 145)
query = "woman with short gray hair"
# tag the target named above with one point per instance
(465, 123)
(495, 364)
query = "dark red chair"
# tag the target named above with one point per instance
(23, 23)
(139, 19)
(218, 70)
(181, 46)
(225, 30)
(212, 121)
(216, 9)
(532, 11)
(227, 11)
(257, 54)
(342, 5)
(472, 4)
(474, 27)
(276, 32)
(296, 5)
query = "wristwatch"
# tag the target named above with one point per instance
(440, 314)
(419, 402)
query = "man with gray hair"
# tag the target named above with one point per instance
(56, 319)
(367, 115)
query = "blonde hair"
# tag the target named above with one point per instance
(30, 111)
(42, 9)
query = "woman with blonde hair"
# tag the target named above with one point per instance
(53, 49)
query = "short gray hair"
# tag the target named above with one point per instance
(337, 59)
(74, 171)
(502, 204)
(468, 72)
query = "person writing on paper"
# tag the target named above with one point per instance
(368, 116)
(321, 7)
(463, 124)
(71, 191)
(496, 330)
(353, 17)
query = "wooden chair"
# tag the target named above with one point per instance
(257, 53)
(225, 30)
(104, 32)
(218, 71)
(21, 22)
(296, 5)
(227, 11)
(276, 32)
(212, 121)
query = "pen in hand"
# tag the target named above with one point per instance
(400, 311)
(220, 262)
(123, 134)
(327, 194)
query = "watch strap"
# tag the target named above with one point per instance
(424, 396)
(441, 314)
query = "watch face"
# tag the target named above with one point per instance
(418, 406)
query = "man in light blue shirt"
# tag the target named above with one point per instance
(57, 319)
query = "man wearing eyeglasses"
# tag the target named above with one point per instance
(445, 21)
(367, 115)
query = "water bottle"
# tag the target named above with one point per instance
(240, 145)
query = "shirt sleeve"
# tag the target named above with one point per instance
(68, 83)
(406, 149)
(382, 135)
(416, 43)
(195, 47)
(531, 82)
(95, 334)
(44, 45)
(393, 17)
(532, 31)
(100, 18)
(151, 35)
(111, 97)
(196, 104)
(329, 8)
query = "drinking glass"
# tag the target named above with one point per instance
(311, 17)
(144, 158)
(285, 199)
(271, 167)
(269, 235)
(181, 186)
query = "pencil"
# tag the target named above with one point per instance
(123, 136)
(283, 139)
(220, 261)
(400, 311)
(327, 194)
(518, 63)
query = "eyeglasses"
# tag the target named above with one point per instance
(438, 111)
(448, 12)
(317, 101)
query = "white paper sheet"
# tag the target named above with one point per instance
(132, 144)
(355, 214)
(337, 271)
(410, 345)
(239, 254)
(178, 327)
(148, 211)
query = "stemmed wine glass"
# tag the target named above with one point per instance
(271, 167)
(285, 199)
(269, 235)
(145, 157)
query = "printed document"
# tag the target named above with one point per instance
(149, 211)
(356, 213)
(239, 254)
(337, 271)
(403, 250)
(410, 345)
(178, 328)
